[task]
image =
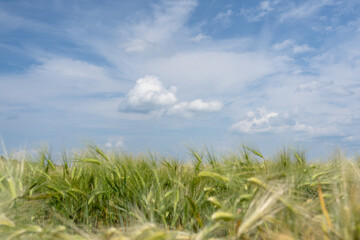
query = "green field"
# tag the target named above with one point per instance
(98, 194)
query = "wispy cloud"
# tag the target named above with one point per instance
(305, 9)
(224, 17)
(258, 13)
(167, 19)
(199, 38)
(215, 71)
(136, 45)
(56, 77)
(10, 21)
(291, 44)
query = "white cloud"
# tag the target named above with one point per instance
(302, 49)
(305, 10)
(215, 71)
(261, 122)
(150, 95)
(199, 105)
(57, 77)
(349, 139)
(284, 44)
(224, 16)
(266, 6)
(291, 44)
(258, 13)
(136, 45)
(167, 19)
(10, 22)
(115, 142)
(300, 127)
(57, 84)
(187, 109)
(309, 86)
(199, 38)
(65, 67)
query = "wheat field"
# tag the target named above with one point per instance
(99, 194)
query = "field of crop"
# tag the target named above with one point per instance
(95, 194)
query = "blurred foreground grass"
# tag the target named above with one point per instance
(107, 195)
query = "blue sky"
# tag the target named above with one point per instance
(160, 75)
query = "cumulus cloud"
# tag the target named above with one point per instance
(263, 121)
(199, 105)
(259, 122)
(187, 109)
(150, 95)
